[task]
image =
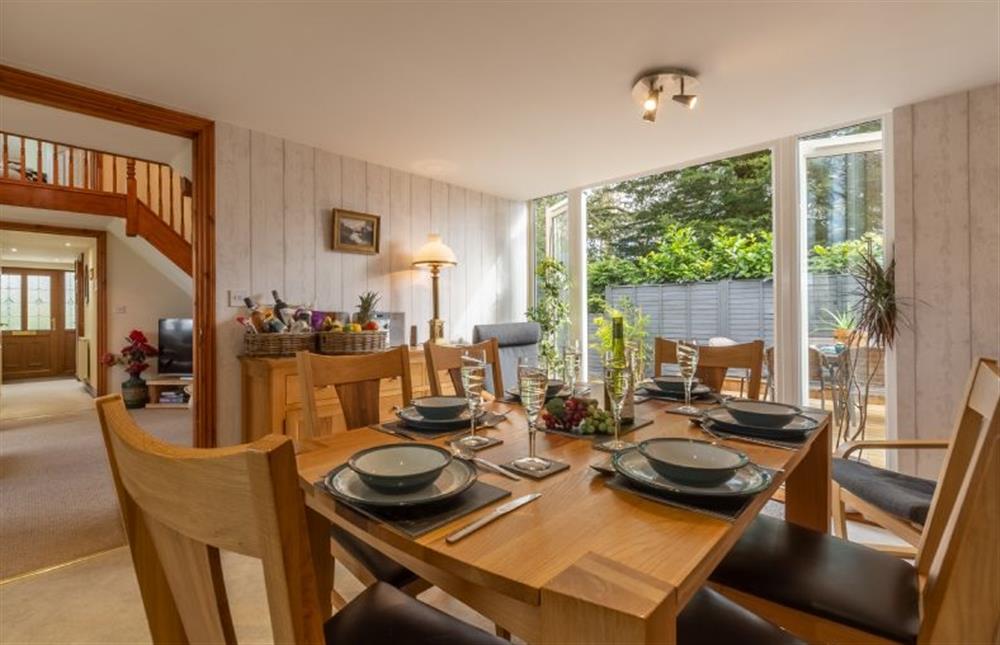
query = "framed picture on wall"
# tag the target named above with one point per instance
(355, 232)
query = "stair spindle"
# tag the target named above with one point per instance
(38, 157)
(5, 153)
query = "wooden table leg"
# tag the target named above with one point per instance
(319, 544)
(597, 600)
(808, 487)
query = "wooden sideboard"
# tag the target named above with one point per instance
(271, 403)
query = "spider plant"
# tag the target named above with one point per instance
(876, 318)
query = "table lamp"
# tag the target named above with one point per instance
(435, 254)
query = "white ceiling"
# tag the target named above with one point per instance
(520, 99)
(22, 246)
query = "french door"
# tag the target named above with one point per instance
(38, 318)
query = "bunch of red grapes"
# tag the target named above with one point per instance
(559, 415)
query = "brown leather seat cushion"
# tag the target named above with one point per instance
(712, 619)
(826, 576)
(383, 615)
(382, 567)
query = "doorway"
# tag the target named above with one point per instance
(38, 319)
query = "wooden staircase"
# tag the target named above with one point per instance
(153, 198)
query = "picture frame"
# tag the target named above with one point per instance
(355, 232)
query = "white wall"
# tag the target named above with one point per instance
(947, 223)
(138, 296)
(273, 225)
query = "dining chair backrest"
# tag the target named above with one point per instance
(449, 358)
(357, 380)
(515, 340)
(715, 361)
(180, 506)
(958, 554)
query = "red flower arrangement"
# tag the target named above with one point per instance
(133, 356)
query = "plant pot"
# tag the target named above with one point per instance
(135, 393)
(841, 335)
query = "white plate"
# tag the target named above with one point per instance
(748, 480)
(344, 483)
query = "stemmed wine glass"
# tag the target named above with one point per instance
(571, 365)
(473, 376)
(687, 361)
(617, 381)
(532, 381)
(637, 361)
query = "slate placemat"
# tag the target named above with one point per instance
(415, 521)
(639, 422)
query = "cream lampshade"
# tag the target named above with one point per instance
(435, 254)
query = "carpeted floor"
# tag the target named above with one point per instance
(43, 397)
(57, 501)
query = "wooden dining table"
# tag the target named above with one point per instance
(584, 563)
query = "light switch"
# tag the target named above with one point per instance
(236, 297)
(120, 309)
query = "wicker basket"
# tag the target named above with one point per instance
(278, 344)
(352, 342)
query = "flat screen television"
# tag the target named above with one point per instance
(176, 347)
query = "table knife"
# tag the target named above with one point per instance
(497, 513)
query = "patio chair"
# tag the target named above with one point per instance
(182, 506)
(816, 374)
(826, 589)
(714, 362)
(514, 341)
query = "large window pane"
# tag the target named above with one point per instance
(843, 204)
(39, 294)
(69, 298)
(10, 302)
(691, 249)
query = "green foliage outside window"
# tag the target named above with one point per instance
(843, 256)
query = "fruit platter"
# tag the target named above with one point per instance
(579, 417)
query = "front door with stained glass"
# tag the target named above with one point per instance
(33, 323)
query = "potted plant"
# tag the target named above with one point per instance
(877, 318)
(133, 357)
(551, 311)
(841, 323)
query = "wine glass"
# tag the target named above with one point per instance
(473, 376)
(571, 365)
(617, 380)
(687, 361)
(532, 380)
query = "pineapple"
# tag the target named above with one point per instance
(366, 309)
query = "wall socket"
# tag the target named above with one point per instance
(236, 297)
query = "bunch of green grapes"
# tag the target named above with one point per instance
(597, 421)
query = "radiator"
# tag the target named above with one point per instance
(83, 359)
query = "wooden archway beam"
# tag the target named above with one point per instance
(35, 88)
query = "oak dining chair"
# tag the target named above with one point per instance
(357, 380)
(448, 358)
(827, 589)
(182, 506)
(715, 360)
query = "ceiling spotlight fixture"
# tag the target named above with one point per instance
(648, 88)
(687, 100)
(13, 250)
(68, 244)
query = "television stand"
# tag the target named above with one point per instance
(161, 384)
